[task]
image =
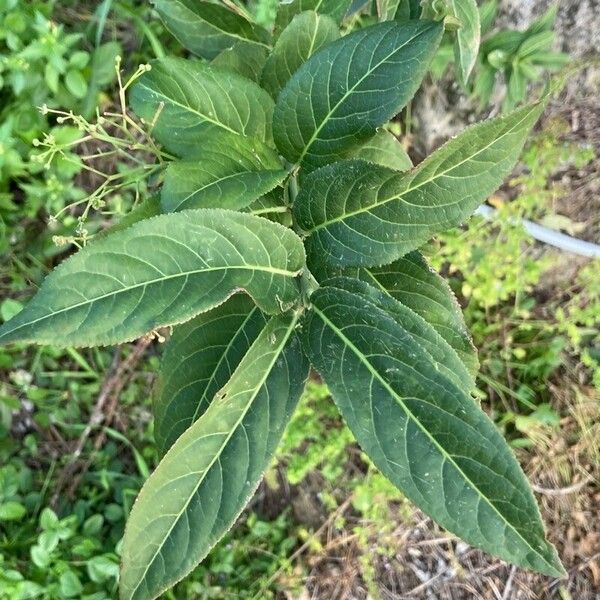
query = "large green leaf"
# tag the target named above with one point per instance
(343, 93)
(194, 100)
(209, 474)
(159, 272)
(411, 281)
(384, 149)
(422, 431)
(442, 355)
(245, 59)
(336, 9)
(228, 171)
(207, 28)
(369, 215)
(466, 42)
(198, 361)
(307, 33)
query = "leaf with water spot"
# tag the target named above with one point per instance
(210, 473)
(422, 430)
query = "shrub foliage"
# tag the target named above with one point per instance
(288, 237)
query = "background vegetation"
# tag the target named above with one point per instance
(75, 427)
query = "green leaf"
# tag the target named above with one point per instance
(467, 38)
(273, 206)
(423, 432)
(384, 149)
(516, 89)
(228, 171)
(341, 95)
(544, 23)
(207, 28)
(538, 42)
(336, 9)
(506, 41)
(103, 63)
(51, 77)
(388, 9)
(484, 84)
(161, 271)
(487, 15)
(183, 92)
(415, 9)
(76, 83)
(247, 60)
(307, 33)
(209, 474)
(368, 215)
(70, 586)
(12, 511)
(442, 355)
(411, 281)
(9, 308)
(198, 361)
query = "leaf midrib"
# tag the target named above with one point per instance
(272, 270)
(415, 187)
(347, 94)
(409, 413)
(276, 355)
(189, 108)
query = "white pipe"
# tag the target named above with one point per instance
(548, 236)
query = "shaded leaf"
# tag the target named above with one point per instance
(198, 361)
(384, 149)
(273, 206)
(341, 95)
(393, 9)
(307, 33)
(467, 38)
(209, 474)
(336, 9)
(183, 94)
(207, 28)
(159, 272)
(227, 171)
(247, 60)
(370, 215)
(422, 431)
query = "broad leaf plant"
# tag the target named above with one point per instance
(286, 238)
